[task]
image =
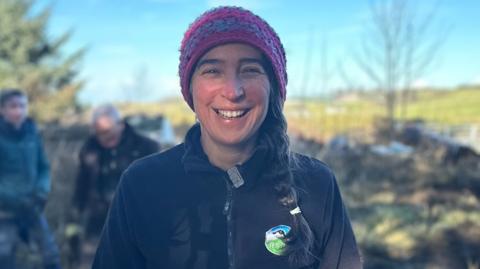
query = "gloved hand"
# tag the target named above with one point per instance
(73, 229)
(75, 223)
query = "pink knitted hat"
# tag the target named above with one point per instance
(223, 25)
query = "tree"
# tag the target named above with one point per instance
(33, 61)
(399, 50)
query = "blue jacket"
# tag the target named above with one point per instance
(24, 169)
(175, 210)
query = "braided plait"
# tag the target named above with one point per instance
(274, 137)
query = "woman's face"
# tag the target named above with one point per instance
(230, 90)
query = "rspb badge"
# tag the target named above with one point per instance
(275, 239)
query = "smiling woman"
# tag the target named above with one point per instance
(232, 195)
(230, 90)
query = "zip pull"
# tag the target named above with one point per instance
(235, 177)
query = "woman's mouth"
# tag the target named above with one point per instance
(231, 114)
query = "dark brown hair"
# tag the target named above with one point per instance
(7, 94)
(273, 134)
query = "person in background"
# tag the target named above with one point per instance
(24, 183)
(112, 147)
(233, 195)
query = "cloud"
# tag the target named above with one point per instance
(118, 86)
(420, 83)
(165, 86)
(476, 80)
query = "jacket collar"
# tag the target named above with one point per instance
(195, 161)
(127, 135)
(7, 129)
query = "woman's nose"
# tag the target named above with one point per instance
(233, 89)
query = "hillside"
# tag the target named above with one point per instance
(320, 119)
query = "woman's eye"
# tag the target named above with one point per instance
(252, 69)
(210, 71)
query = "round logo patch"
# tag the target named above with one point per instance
(274, 239)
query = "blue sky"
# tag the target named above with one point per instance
(138, 40)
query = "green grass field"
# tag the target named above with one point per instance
(320, 118)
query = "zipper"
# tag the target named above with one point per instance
(227, 211)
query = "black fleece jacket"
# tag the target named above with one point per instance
(175, 210)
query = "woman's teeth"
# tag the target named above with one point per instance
(230, 114)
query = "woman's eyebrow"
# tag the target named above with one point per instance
(251, 60)
(218, 61)
(208, 61)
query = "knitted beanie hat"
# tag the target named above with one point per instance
(223, 25)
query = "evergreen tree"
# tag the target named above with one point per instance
(32, 60)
